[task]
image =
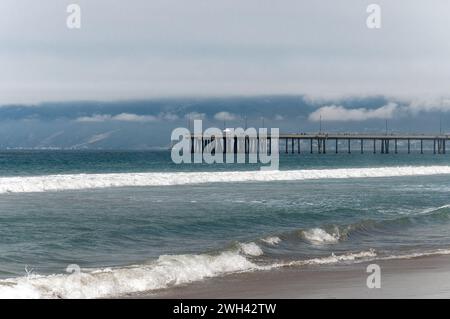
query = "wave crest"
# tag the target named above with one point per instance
(271, 240)
(165, 272)
(250, 249)
(22, 184)
(319, 236)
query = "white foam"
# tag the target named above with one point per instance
(25, 184)
(436, 252)
(432, 210)
(250, 249)
(271, 240)
(339, 258)
(320, 236)
(165, 272)
(332, 259)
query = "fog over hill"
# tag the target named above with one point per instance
(146, 124)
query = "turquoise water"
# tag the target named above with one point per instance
(26, 163)
(279, 221)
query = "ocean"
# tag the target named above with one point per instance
(135, 222)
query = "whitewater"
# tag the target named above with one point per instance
(168, 271)
(30, 184)
(173, 270)
(137, 234)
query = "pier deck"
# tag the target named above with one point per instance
(318, 142)
(384, 141)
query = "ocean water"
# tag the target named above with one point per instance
(135, 222)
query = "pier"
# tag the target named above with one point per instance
(320, 143)
(382, 143)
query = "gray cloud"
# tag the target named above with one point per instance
(339, 113)
(429, 105)
(112, 125)
(143, 49)
(94, 118)
(127, 117)
(225, 116)
(195, 116)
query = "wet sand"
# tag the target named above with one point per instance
(424, 277)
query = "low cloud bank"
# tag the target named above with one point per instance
(341, 114)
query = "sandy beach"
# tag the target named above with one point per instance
(424, 277)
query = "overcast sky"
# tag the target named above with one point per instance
(142, 49)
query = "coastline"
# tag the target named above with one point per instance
(420, 277)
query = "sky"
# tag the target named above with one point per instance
(148, 66)
(142, 49)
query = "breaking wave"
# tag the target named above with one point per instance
(173, 270)
(333, 234)
(251, 249)
(169, 271)
(25, 184)
(320, 236)
(271, 240)
(109, 282)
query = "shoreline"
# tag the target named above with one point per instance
(419, 277)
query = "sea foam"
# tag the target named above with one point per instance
(320, 236)
(271, 240)
(26, 184)
(167, 271)
(250, 249)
